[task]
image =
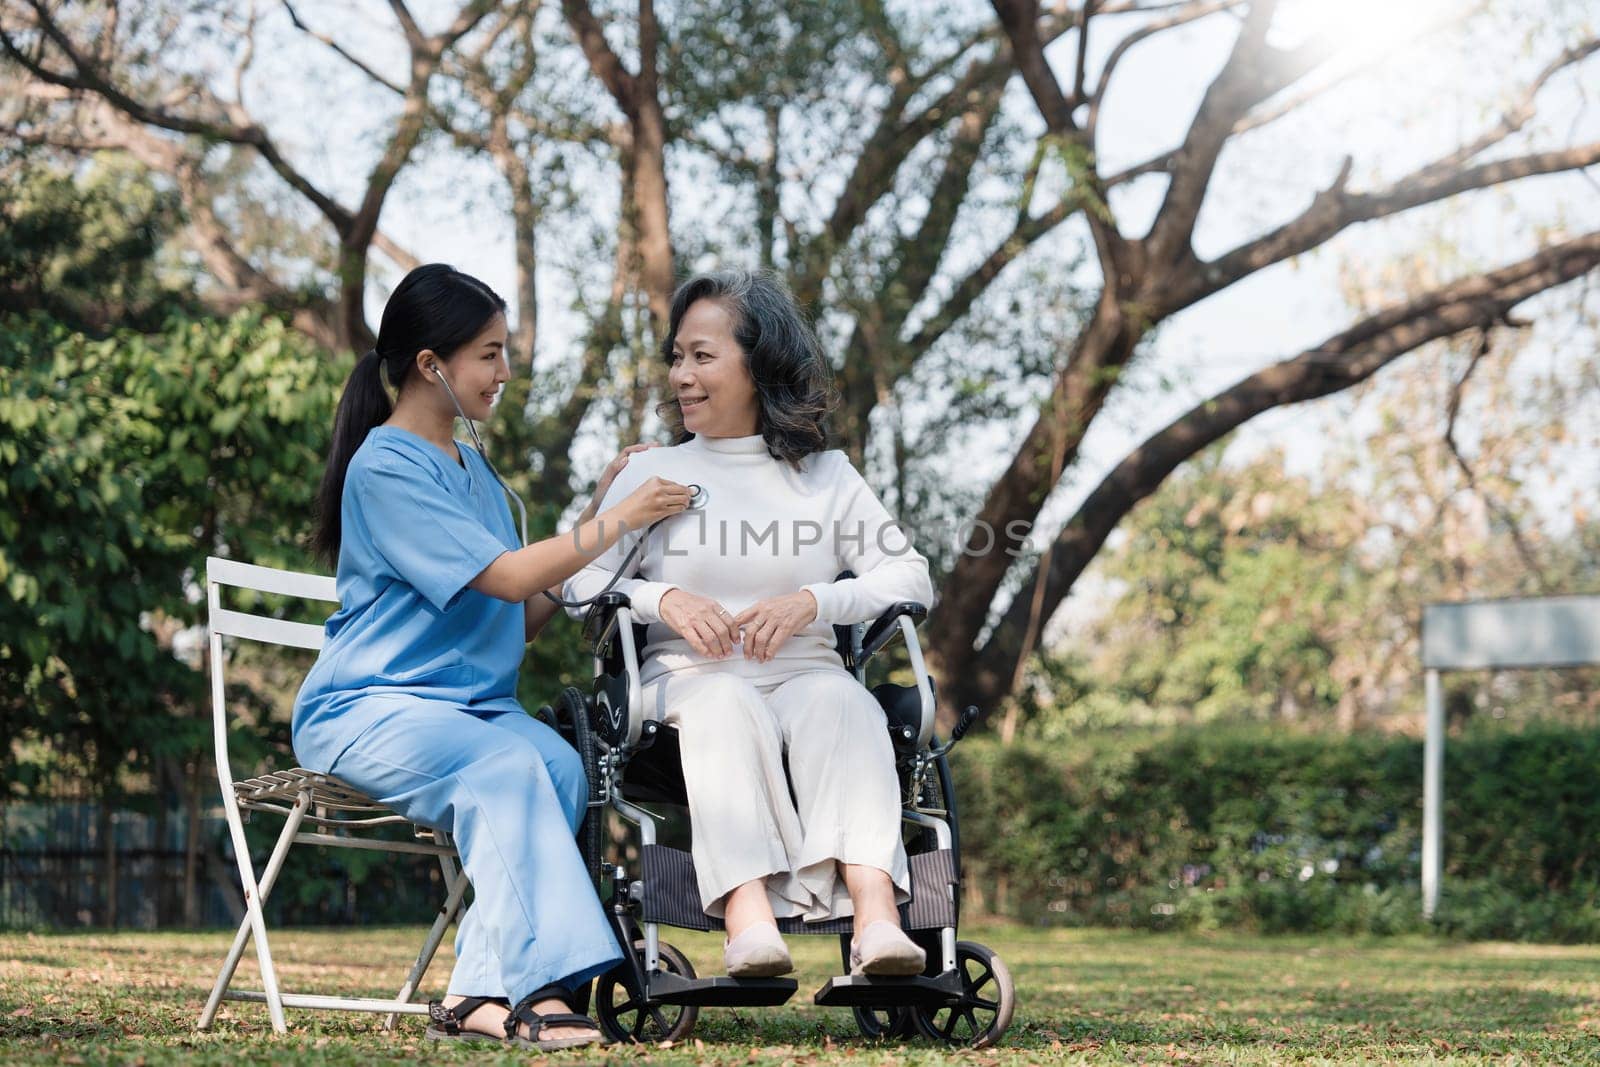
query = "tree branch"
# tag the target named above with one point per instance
(876, 356)
(619, 82)
(1339, 362)
(342, 52)
(415, 39)
(1518, 540)
(1518, 114)
(891, 141)
(1184, 14)
(469, 15)
(1080, 72)
(1252, 72)
(1120, 259)
(1020, 19)
(397, 253)
(1334, 209)
(86, 77)
(426, 57)
(976, 282)
(99, 127)
(1257, 118)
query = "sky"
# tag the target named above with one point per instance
(1400, 112)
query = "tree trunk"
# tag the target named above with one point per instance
(158, 851)
(525, 217)
(191, 846)
(650, 179)
(1014, 502)
(107, 830)
(767, 189)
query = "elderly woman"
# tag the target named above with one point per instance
(740, 603)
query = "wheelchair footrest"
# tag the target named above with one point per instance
(720, 991)
(869, 991)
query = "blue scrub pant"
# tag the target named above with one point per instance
(512, 793)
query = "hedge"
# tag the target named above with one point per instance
(1278, 831)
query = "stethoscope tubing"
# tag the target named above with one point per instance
(697, 502)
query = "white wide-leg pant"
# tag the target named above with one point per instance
(734, 732)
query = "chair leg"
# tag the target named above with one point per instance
(456, 883)
(255, 919)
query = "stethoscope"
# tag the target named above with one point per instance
(697, 502)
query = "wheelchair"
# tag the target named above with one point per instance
(964, 997)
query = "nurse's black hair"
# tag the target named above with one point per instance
(436, 307)
(794, 384)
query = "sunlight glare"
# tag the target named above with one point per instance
(1362, 32)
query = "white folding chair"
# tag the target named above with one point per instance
(338, 815)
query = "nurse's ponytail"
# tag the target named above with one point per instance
(363, 405)
(434, 307)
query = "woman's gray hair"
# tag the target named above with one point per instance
(794, 384)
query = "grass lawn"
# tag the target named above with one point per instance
(1084, 997)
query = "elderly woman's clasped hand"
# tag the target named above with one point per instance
(701, 621)
(712, 630)
(767, 624)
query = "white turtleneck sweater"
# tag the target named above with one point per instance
(766, 529)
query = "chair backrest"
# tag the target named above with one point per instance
(227, 622)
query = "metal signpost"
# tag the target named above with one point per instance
(1556, 631)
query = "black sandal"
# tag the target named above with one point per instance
(524, 1013)
(444, 1024)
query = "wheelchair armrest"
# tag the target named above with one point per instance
(617, 641)
(885, 627)
(597, 623)
(910, 709)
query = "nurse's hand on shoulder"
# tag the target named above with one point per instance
(614, 468)
(655, 499)
(704, 623)
(767, 624)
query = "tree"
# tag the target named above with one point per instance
(136, 431)
(1244, 591)
(84, 249)
(1146, 280)
(110, 67)
(914, 194)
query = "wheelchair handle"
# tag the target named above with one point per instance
(968, 717)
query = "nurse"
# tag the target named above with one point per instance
(413, 697)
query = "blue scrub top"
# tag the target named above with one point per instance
(416, 527)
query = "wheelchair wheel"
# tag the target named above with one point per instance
(878, 1024)
(989, 998)
(570, 717)
(627, 1018)
(884, 1024)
